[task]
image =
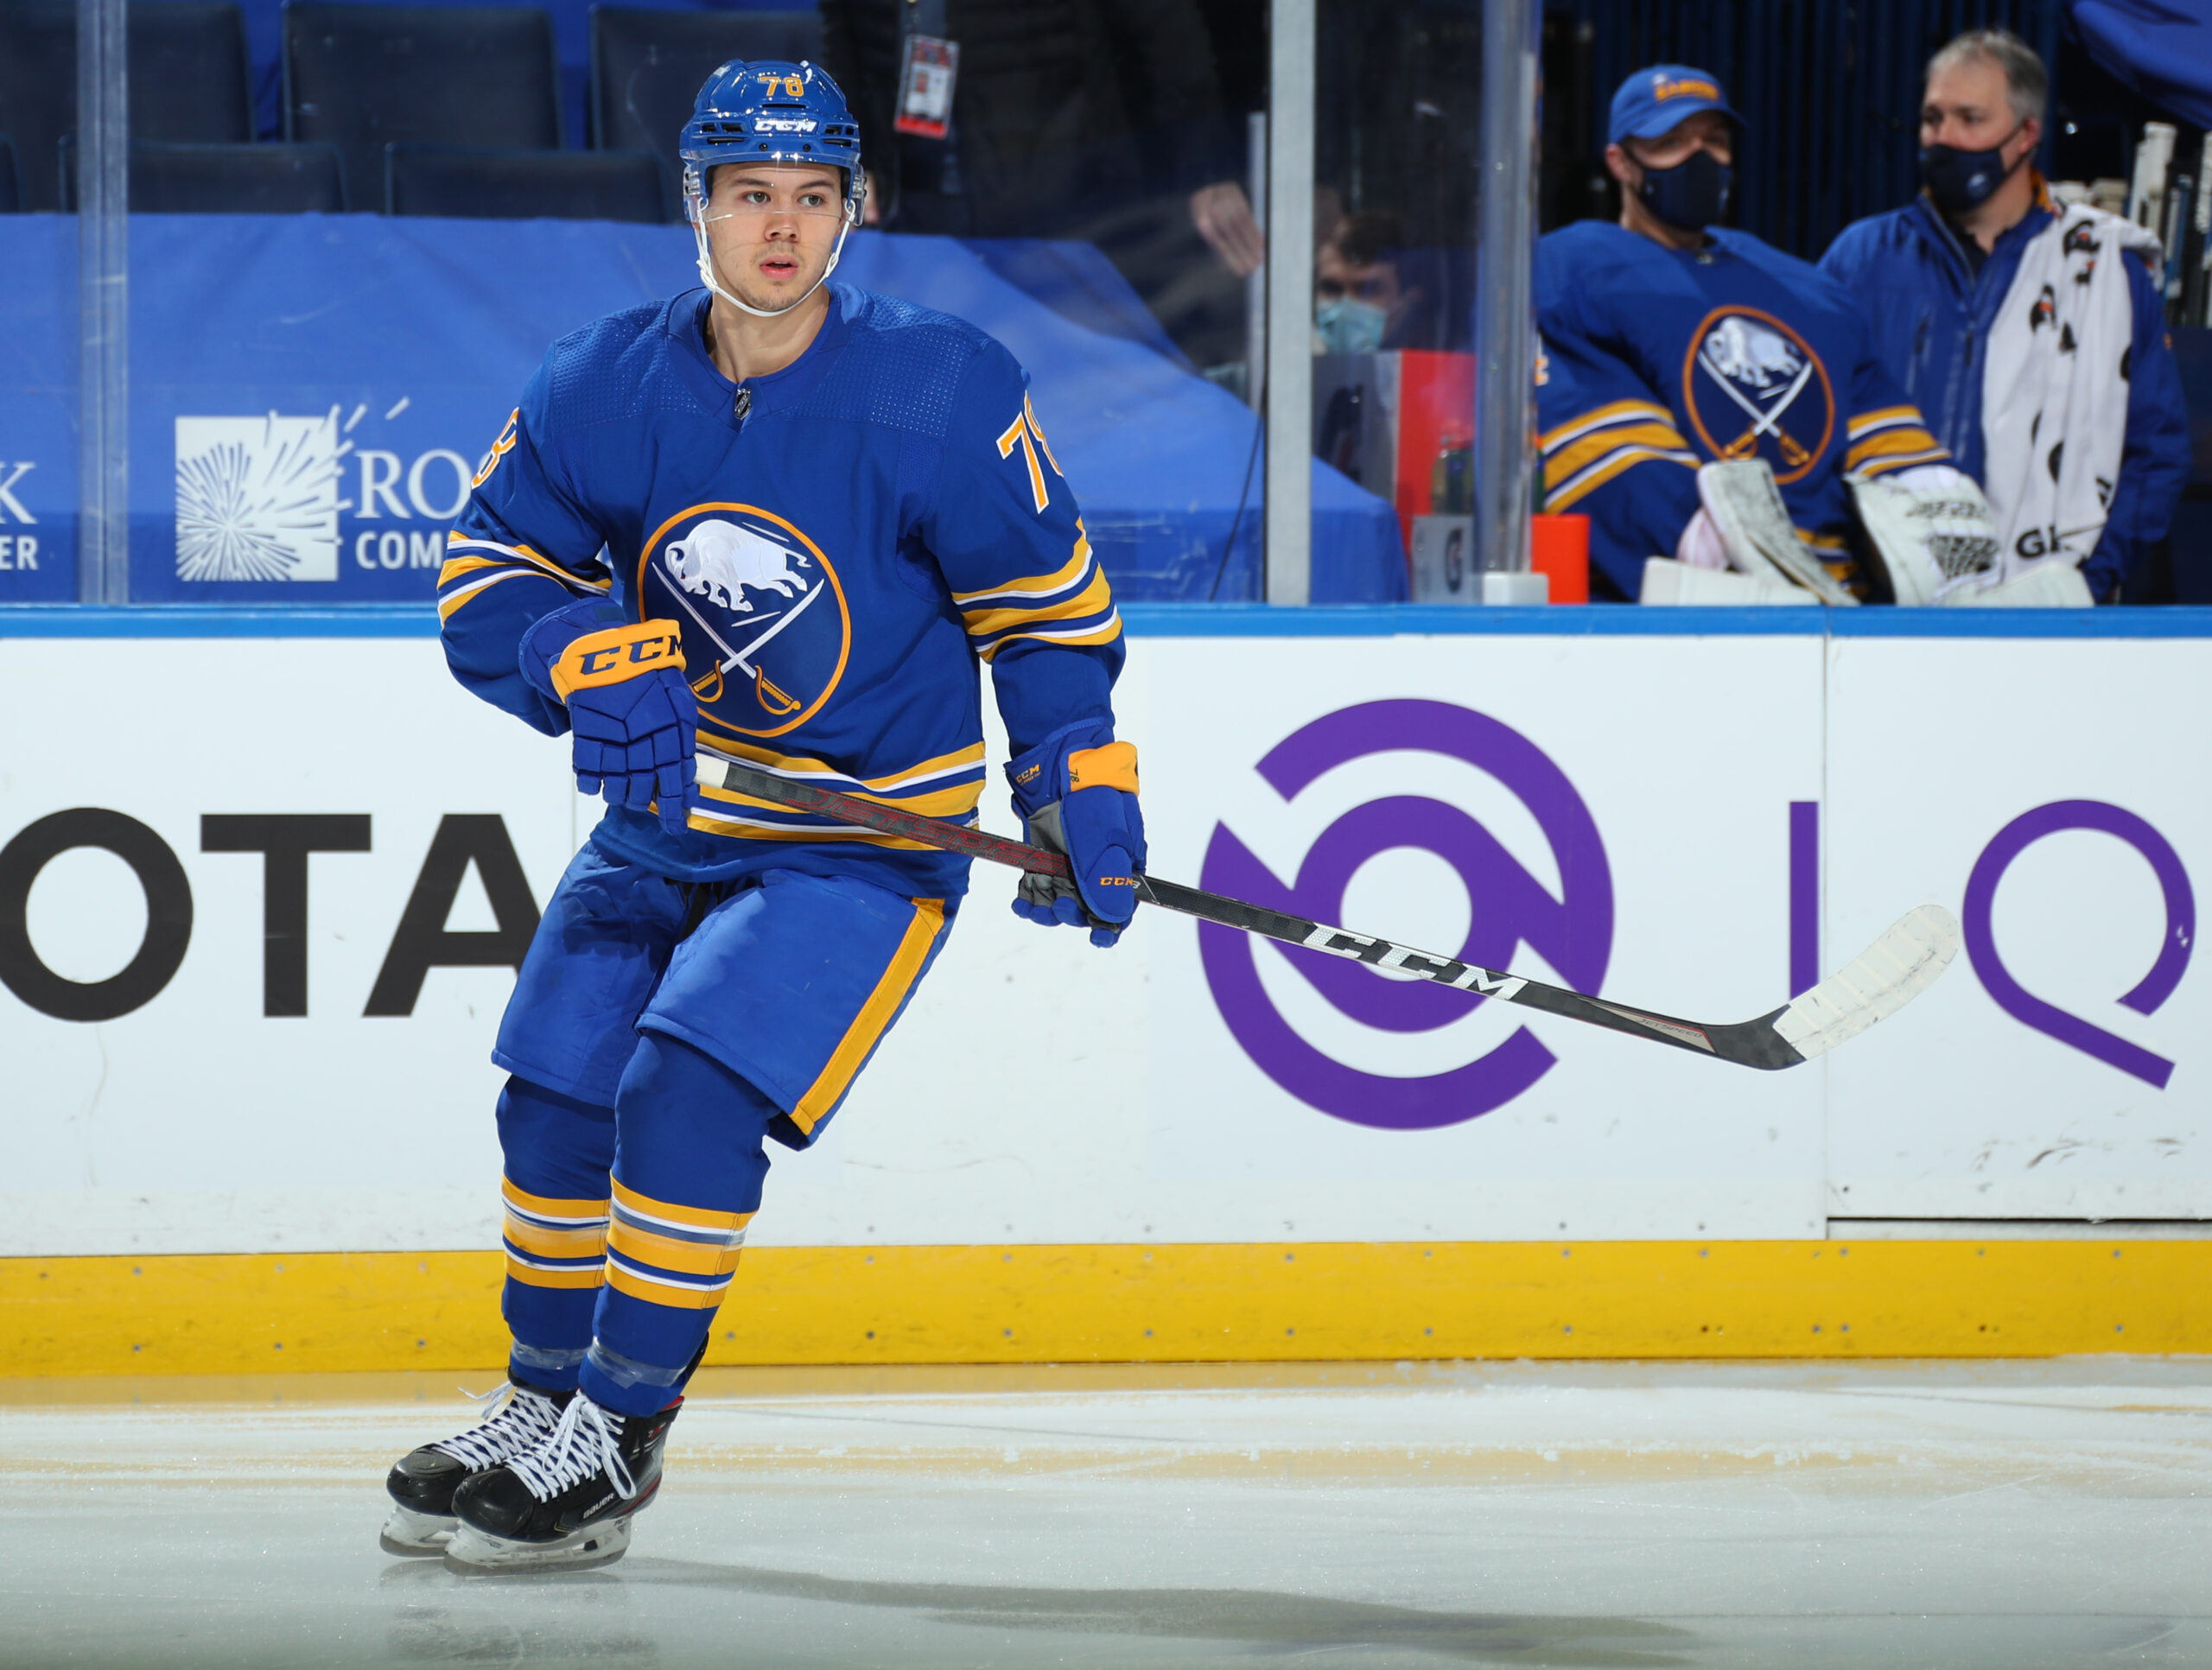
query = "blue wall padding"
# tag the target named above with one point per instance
(419, 334)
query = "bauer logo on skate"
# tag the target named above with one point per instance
(766, 632)
(1573, 932)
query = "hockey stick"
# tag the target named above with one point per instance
(1892, 971)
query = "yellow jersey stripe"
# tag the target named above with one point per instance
(793, 766)
(1903, 461)
(1558, 498)
(960, 799)
(1579, 454)
(1093, 598)
(1076, 639)
(875, 1016)
(735, 830)
(1882, 419)
(453, 600)
(1620, 411)
(456, 542)
(457, 566)
(1041, 585)
(1889, 444)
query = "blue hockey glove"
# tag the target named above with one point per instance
(635, 720)
(1081, 799)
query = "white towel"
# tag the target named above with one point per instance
(2054, 388)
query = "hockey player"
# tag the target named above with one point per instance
(781, 521)
(1671, 341)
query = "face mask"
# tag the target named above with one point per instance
(1691, 196)
(1346, 326)
(1960, 181)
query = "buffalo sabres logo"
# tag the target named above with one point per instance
(1755, 389)
(766, 632)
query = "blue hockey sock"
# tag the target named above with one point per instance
(559, 1152)
(688, 1171)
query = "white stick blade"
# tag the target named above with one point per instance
(1884, 977)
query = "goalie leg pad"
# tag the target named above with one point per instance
(1747, 507)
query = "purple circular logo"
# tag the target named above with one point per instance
(1573, 932)
(2152, 990)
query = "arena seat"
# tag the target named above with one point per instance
(242, 179)
(648, 63)
(363, 77)
(189, 81)
(522, 185)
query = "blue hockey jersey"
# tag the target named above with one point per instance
(887, 514)
(1656, 360)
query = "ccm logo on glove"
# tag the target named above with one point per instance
(623, 653)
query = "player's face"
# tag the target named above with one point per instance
(1969, 107)
(1706, 130)
(772, 228)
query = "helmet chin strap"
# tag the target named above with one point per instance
(707, 266)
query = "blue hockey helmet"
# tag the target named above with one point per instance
(772, 111)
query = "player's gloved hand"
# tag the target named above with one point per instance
(1077, 792)
(634, 718)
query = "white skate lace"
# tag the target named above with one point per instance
(517, 1426)
(583, 1443)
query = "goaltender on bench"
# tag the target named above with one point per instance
(1682, 364)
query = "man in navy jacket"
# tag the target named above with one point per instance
(1935, 275)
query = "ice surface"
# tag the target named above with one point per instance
(1997, 1514)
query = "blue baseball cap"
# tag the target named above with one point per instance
(1653, 100)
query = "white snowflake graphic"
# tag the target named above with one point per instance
(256, 497)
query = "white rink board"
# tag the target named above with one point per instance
(1040, 1091)
(1935, 748)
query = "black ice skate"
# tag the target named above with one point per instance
(568, 1502)
(422, 1484)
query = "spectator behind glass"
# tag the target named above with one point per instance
(1371, 292)
(1357, 293)
(1671, 341)
(1100, 120)
(2073, 418)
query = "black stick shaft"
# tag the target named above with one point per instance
(1752, 1043)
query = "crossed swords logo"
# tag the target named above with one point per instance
(1764, 422)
